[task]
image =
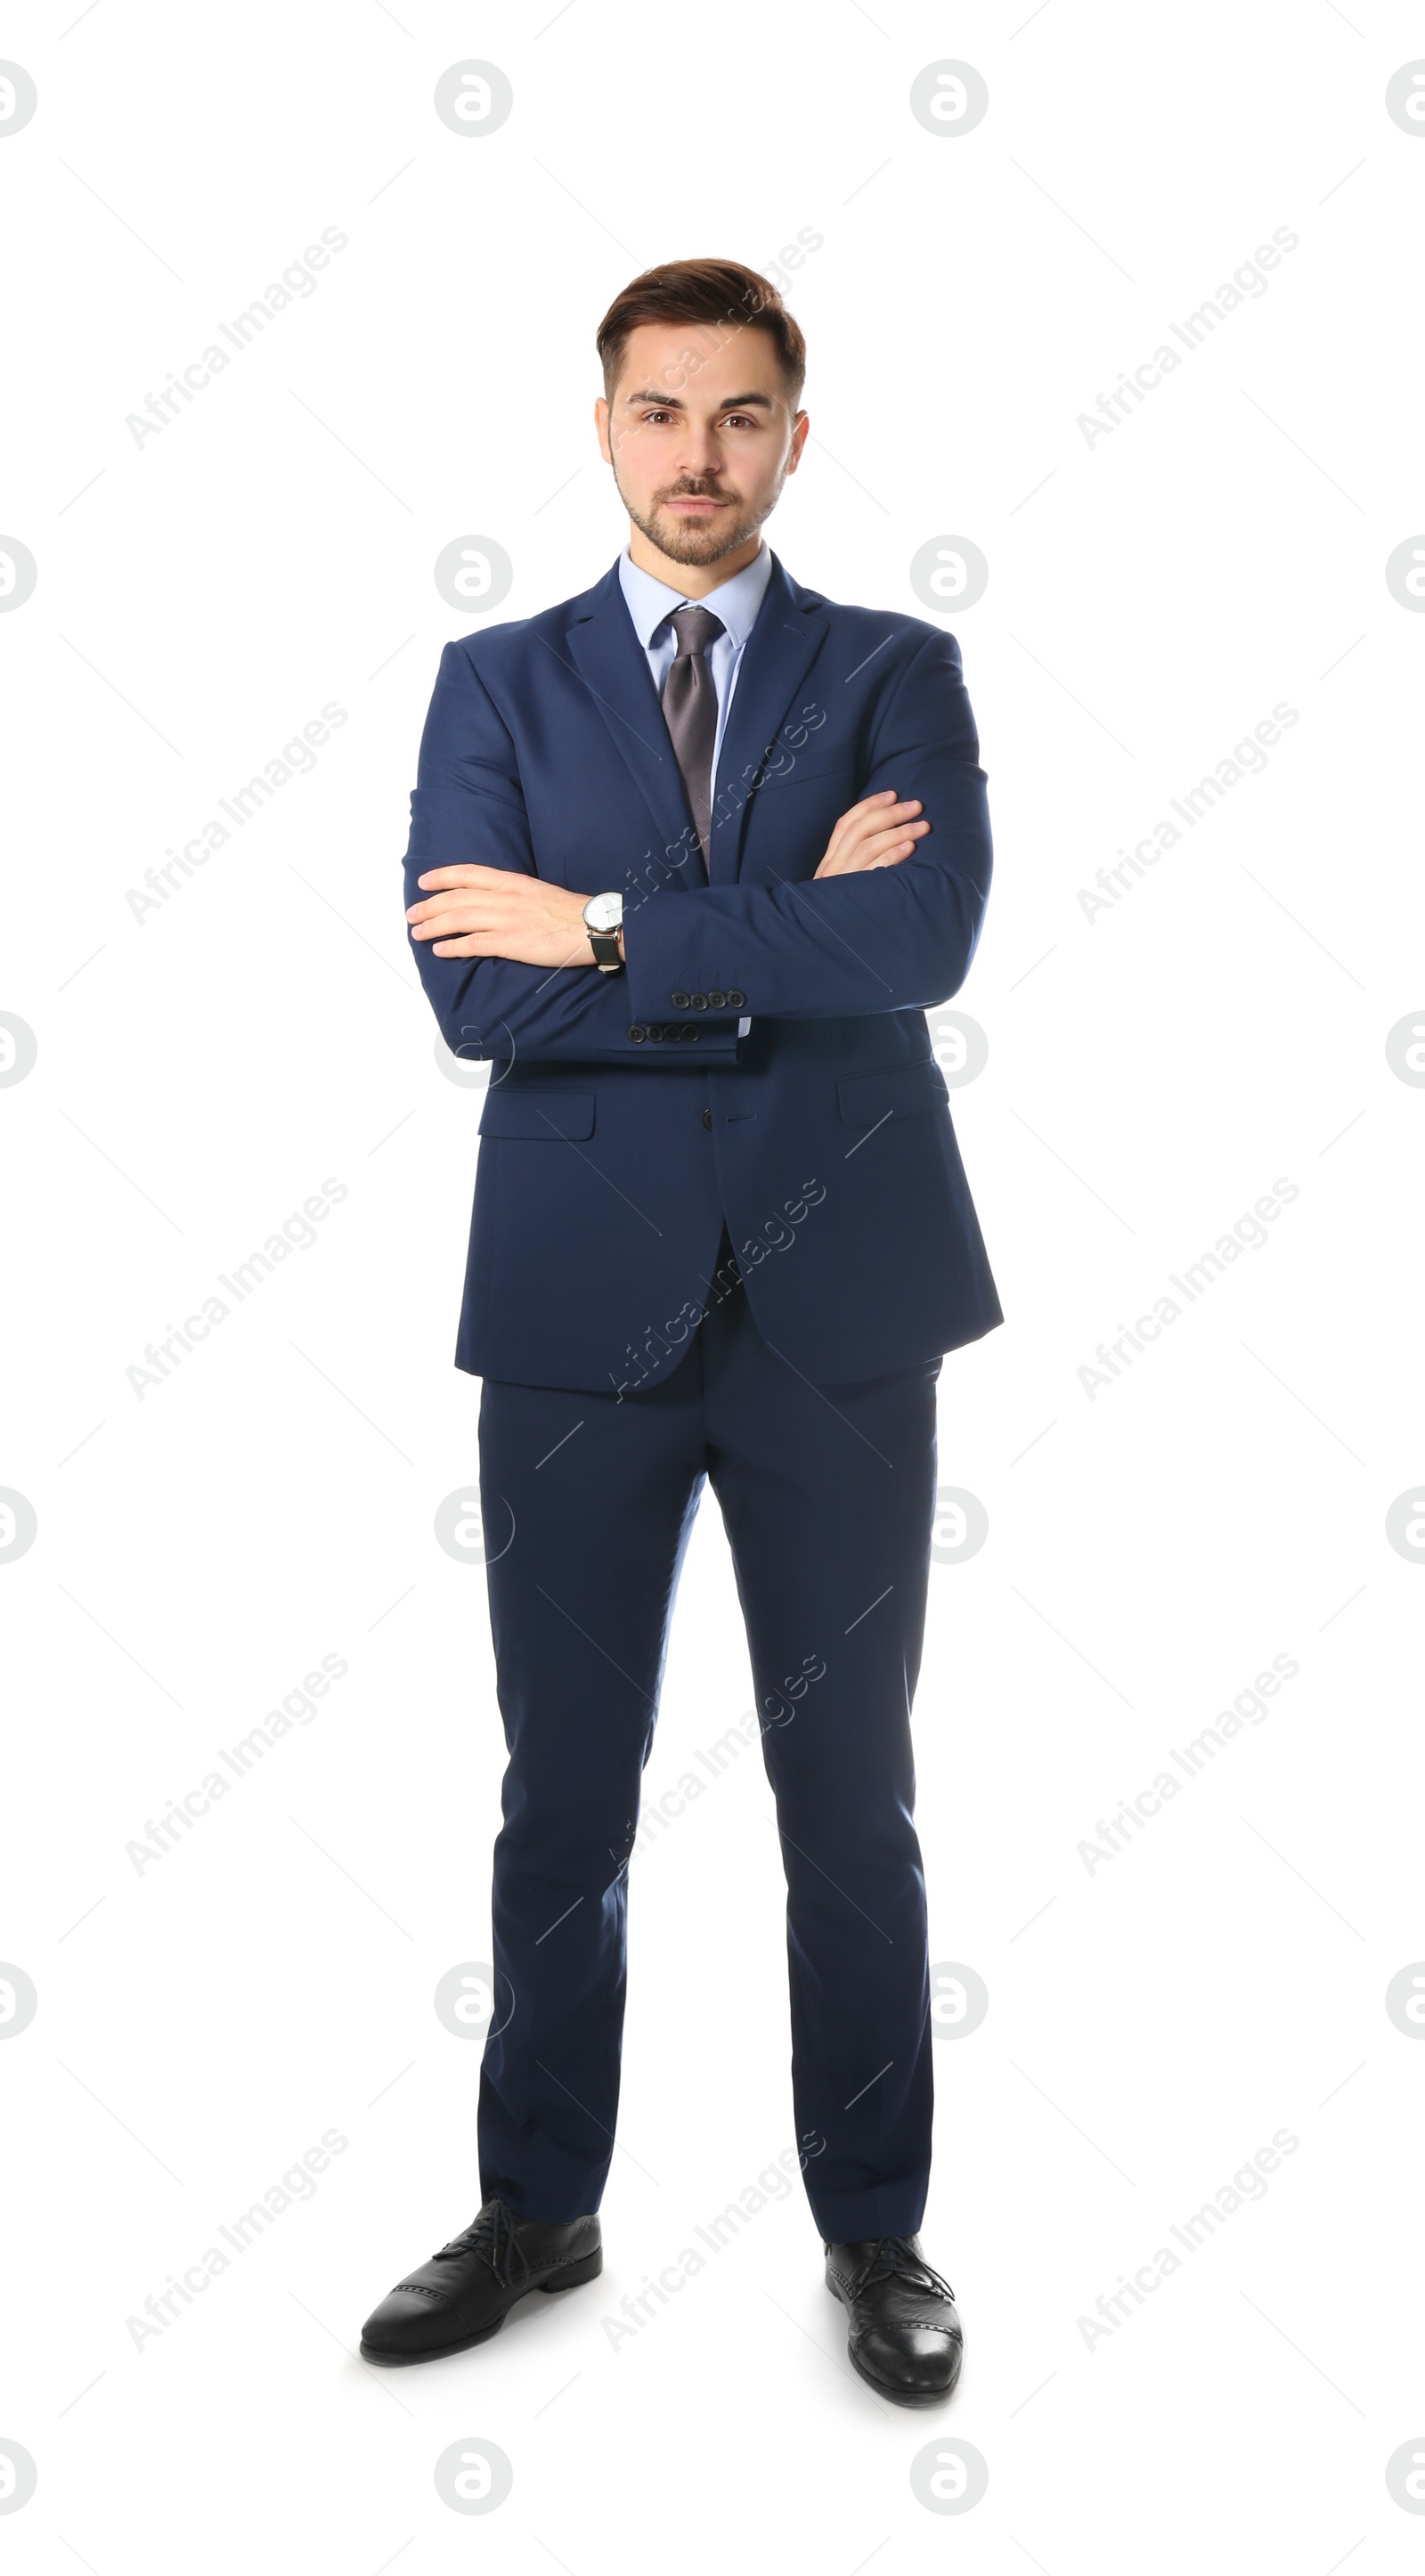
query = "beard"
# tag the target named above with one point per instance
(688, 541)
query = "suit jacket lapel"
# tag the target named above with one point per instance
(611, 661)
(791, 627)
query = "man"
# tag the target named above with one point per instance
(690, 857)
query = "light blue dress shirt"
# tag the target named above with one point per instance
(650, 604)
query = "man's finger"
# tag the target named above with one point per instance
(441, 902)
(866, 820)
(467, 873)
(461, 924)
(463, 900)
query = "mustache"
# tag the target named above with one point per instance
(696, 492)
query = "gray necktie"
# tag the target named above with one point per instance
(690, 711)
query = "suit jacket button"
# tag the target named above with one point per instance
(699, 1001)
(717, 1001)
(735, 1001)
(638, 1036)
(679, 1001)
(707, 1118)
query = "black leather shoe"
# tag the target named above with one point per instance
(466, 2291)
(905, 2338)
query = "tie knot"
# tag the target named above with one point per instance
(695, 628)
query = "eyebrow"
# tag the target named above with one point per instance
(673, 402)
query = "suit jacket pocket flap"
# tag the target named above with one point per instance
(866, 1098)
(550, 1115)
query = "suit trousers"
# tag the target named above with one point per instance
(827, 1497)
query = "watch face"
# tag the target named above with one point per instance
(604, 911)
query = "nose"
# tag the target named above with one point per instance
(699, 457)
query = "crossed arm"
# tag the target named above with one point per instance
(474, 911)
(889, 920)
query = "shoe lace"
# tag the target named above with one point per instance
(494, 2236)
(892, 2258)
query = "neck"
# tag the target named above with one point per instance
(693, 580)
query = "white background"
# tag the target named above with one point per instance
(1151, 1073)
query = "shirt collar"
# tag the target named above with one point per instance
(736, 601)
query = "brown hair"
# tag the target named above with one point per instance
(702, 290)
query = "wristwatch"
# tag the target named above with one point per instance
(603, 920)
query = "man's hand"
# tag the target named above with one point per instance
(500, 912)
(877, 833)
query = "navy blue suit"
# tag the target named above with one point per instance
(703, 1257)
(545, 749)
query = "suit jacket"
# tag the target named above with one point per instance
(625, 1119)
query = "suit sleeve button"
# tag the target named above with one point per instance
(679, 1001)
(699, 1001)
(717, 1001)
(735, 1001)
(638, 1036)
